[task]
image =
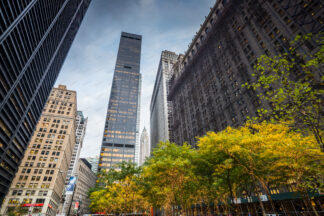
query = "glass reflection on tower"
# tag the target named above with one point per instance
(120, 139)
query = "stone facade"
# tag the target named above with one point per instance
(81, 125)
(160, 108)
(206, 91)
(86, 180)
(40, 180)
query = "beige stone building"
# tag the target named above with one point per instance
(86, 179)
(39, 182)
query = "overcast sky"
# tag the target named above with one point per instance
(89, 66)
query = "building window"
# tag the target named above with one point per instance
(40, 200)
(13, 201)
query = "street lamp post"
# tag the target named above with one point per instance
(68, 213)
(80, 203)
(63, 199)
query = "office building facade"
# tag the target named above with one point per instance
(206, 91)
(121, 132)
(35, 37)
(144, 147)
(81, 125)
(86, 179)
(160, 108)
(40, 180)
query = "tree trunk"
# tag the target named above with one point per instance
(257, 192)
(255, 209)
(201, 210)
(240, 209)
(209, 210)
(306, 205)
(262, 206)
(318, 137)
(217, 209)
(283, 207)
(232, 204)
(196, 211)
(313, 208)
(265, 187)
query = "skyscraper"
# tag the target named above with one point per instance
(35, 37)
(160, 108)
(144, 146)
(81, 125)
(40, 179)
(206, 91)
(121, 133)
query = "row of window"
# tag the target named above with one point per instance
(60, 107)
(41, 158)
(119, 136)
(119, 132)
(36, 171)
(118, 155)
(40, 140)
(56, 102)
(34, 178)
(60, 92)
(43, 152)
(38, 146)
(39, 134)
(58, 111)
(25, 200)
(53, 130)
(31, 164)
(29, 192)
(31, 185)
(64, 122)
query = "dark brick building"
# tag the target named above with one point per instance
(206, 91)
(35, 37)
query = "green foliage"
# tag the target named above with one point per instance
(257, 157)
(118, 190)
(292, 84)
(168, 176)
(233, 163)
(17, 210)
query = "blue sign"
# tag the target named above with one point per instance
(71, 185)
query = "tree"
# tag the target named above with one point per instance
(169, 178)
(17, 209)
(249, 160)
(259, 152)
(292, 83)
(118, 191)
(301, 164)
(214, 186)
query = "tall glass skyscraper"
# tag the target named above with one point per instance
(35, 37)
(121, 135)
